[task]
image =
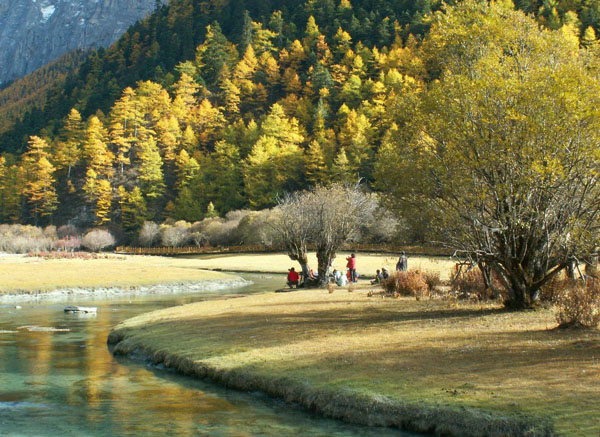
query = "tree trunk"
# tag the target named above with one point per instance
(522, 295)
(570, 270)
(522, 284)
(304, 268)
(324, 258)
(486, 273)
(302, 258)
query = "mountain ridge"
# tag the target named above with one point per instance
(36, 32)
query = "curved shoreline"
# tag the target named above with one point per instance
(65, 294)
(343, 404)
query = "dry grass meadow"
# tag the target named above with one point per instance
(24, 274)
(367, 263)
(435, 352)
(30, 274)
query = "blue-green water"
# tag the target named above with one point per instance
(68, 383)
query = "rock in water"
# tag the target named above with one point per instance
(76, 309)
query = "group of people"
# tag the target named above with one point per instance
(401, 266)
(293, 277)
(380, 275)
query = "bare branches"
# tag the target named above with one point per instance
(326, 217)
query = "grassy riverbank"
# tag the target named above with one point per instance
(432, 365)
(25, 274)
(367, 263)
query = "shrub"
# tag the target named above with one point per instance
(175, 236)
(219, 232)
(411, 283)
(64, 255)
(470, 284)
(67, 243)
(382, 229)
(21, 244)
(199, 239)
(23, 239)
(467, 283)
(67, 231)
(258, 228)
(50, 232)
(432, 279)
(551, 291)
(97, 239)
(149, 234)
(579, 305)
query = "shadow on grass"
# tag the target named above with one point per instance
(367, 315)
(271, 329)
(488, 348)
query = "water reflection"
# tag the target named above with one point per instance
(67, 383)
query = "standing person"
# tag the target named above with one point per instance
(352, 266)
(402, 264)
(292, 278)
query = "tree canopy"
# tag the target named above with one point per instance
(506, 144)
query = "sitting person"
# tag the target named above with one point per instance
(339, 278)
(292, 278)
(385, 273)
(312, 275)
(378, 278)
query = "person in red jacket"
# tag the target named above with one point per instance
(292, 278)
(352, 267)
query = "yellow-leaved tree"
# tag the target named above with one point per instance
(504, 145)
(276, 162)
(99, 161)
(39, 184)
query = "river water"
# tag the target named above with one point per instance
(66, 382)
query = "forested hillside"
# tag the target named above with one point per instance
(228, 105)
(29, 93)
(151, 49)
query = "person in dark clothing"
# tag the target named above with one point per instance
(292, 278)
(384, 273)
(352, 267)
(402, 264)
(378, 278)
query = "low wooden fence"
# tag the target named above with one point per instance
(189, 250)
(195, 250)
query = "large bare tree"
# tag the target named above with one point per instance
(294, 227)
(326, 217)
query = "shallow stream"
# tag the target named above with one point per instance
(65, 382)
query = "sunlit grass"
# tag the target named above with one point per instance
(367, 264)
(36, 274)
(432, 351)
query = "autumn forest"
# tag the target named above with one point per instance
(271, 99)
